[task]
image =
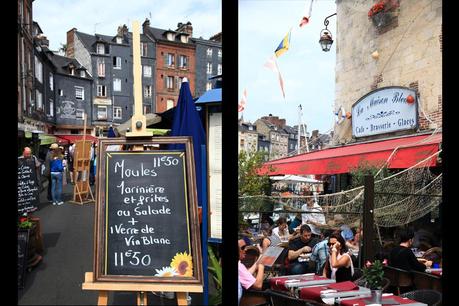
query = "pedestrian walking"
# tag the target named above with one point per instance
(47, 171)
(57, 169)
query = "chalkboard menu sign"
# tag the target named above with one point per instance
(28, 191)
(147, 216)
(23, 242)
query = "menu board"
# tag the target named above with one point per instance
(146, 220)
(28, 187)
(147, 214)
(215, 175)
(23, 243)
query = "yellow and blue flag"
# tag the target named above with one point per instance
(283, 46)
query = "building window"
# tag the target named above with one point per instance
(100, 49)
(79, 114)
(38, 70)
(170, 36)
(209, 86)
(209, 68)
(170, 82)
(179, 82)
(116, 84)
(101, 91)
(146, 109)
(147, 71)
(82, 73)
(183, 61)
(219, 69)
(116, 62)
(79, 93)
(219, 53)
(143, 49)
(147, 91)
(169, 104)
(72, 71)
(209, 52)
(170, 61)
(119, 40)
(51, 107)
(60, 92)
(39, 97)
(117, 112)
(102, 113)
(51, 81)
(101, 69)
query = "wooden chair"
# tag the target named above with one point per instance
(429, 297)
(253, 297)
(401, 279)
(282, 299)
(422, 280)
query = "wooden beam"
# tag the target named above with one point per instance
(368, 219)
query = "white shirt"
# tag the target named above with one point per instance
(317, 216)
(283, 235)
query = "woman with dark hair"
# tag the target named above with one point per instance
(339, 265)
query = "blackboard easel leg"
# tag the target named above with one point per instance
(102, 300)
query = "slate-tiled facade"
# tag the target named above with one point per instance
(208, 63)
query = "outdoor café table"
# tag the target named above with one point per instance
(336, 290)
(291, 282)
(435, 271)
(386, 300)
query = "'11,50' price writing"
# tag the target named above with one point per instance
(133, 258)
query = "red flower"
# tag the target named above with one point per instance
(23, 219)
(385, 262)
(368, 264)
(382, 5)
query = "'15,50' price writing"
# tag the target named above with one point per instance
(132, 258)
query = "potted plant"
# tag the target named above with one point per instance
(374, 275)
(381, 12)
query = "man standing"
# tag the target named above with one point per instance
(246, 277)
(297, 247)
(314, 216)
(26, 154)
(48, 159)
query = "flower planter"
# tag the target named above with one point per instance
(381, 19)
(376, 296)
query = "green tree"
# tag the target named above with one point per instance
(250, 182)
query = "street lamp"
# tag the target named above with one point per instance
(326, 40)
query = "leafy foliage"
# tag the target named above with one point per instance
(374, 274)
(250, 182)
(363, 169)
(216, 270)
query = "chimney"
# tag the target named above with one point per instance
(145, 25)
(70, 43)
(185, 28)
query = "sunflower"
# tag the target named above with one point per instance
(183, 264)
(166, 272)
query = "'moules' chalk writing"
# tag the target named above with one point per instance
(156, 162)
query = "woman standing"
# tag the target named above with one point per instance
(57, 168)
(339, 265)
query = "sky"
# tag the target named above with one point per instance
(307, 71)
(56, 17)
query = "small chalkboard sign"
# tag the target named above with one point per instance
(23, 243)
(146, 217)
(28, 188)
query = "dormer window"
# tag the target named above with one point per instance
(72, 70)
(143, 49)
(100, 49)
(170, 36)
(82, 73)
(119, 40)
(184, 38)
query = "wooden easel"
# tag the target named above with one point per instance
(138, 131)
(82, 192)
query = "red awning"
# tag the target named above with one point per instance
(71, 138)
(337, 160)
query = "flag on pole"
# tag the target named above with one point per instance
(243, 101)
(284, 45)
(271, 64)
(305, 20)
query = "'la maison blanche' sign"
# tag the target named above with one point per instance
(383, 111)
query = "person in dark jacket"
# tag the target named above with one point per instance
(402, 256)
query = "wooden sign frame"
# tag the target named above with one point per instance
(100, 215)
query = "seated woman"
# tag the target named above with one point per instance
(339, 265)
